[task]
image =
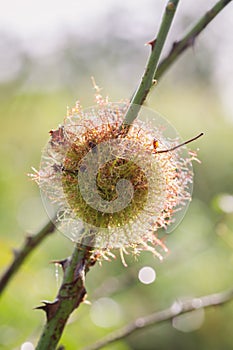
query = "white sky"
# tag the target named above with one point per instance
(41, 23)
(28, 18)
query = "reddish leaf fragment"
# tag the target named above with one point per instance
(57, 136)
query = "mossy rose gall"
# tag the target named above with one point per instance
(118, 188)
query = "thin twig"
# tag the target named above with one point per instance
(31, 242)
(189, 39)
(147, 80)
(177, 308)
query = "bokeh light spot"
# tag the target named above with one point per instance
(105, 313)
(226, 203)
(27, 346)
(147, 275)
(189, 322)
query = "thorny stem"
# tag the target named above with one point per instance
(177, 308)
(31, 242)
(71, 293)
(188, 40)
(148, 78)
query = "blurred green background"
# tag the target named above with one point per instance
(42, 74)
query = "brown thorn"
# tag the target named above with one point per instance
(49, 308)
(63, 263)
(15, 253)
(29, 239)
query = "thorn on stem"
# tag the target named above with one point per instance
(152, 43)
(174, 45)
(29, 239)
(63, 263)
(191, 41)
(49, 308)
(15, 253)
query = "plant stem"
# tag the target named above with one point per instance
(177, 308)
(71, 293)
(188, 40)
(148, 77)
(31, 242)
